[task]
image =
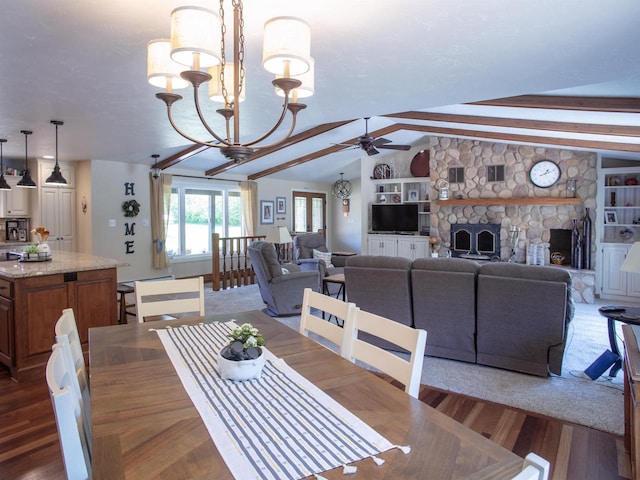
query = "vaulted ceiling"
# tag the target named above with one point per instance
(419, 68)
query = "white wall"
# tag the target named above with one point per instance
(84, 220)
(345, 236)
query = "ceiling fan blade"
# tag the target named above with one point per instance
(371, 150)
(395, 147)
(380, 141)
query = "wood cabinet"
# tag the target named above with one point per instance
(35, 306)
(632, 396)
(15, 202)
(412, 247)
(386, 245)
(408, 246)
(615, 283)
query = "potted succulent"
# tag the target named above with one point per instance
(242, 358)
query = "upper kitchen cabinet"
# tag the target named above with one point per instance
(15, 202)
(57, 206)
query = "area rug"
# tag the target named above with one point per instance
(572, 397)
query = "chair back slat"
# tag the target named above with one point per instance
(313, 305)
(189, 292)
(409, 339)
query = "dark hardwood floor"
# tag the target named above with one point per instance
(29, 446)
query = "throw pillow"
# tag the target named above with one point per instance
(325, 256)
(284, 271)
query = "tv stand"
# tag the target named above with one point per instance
(408, 245)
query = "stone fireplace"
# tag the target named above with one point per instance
(477, 200)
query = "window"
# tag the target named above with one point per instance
(197, 213)
(456, 175)
(495, 173)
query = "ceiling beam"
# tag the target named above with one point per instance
(558, 102)
(458, 132)
(590, 129)
(180, 156)
(299, 137)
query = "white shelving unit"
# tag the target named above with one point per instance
(406, 190)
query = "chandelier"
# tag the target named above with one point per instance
(198, 42)
(342, 188)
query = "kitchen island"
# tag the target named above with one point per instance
(33, 295)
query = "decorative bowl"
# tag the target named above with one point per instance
(240, 370)
(557, 258)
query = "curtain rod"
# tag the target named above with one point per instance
(206, 178)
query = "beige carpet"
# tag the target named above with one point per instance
(571, 397)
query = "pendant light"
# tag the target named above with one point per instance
(3, 183)
(26, 181)
(56, 177)
(155, 171)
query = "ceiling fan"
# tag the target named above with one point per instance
(371, 145)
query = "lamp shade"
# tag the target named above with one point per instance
(308, 83)
(278, 235)
(195, 30)
(215, 85)
(287, 46)
(162, 72)
(632, 261)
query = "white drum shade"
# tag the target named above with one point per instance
(215, 86)
(161, 69)
(195, 30)
(286, 40)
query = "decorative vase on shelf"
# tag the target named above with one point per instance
(43, 250)
(576, 247)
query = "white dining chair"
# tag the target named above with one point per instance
(413, 340)
(69, 418)
(185, 295)
(535, 468)
(314, 305)
(68, 337)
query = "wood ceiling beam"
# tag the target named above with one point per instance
(180, 156)
(299, 137)
(458, 132)
(558, 102)
(590, 129)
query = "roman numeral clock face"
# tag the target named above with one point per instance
(544, 174)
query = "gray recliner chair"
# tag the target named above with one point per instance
(281, 292)
(305, 244)
(303, 247)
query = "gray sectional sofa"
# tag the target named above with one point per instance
(499, 314)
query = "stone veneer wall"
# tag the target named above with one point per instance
(533, 220)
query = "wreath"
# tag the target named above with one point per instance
(131, 208)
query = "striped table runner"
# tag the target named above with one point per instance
(279, 426)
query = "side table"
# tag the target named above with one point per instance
(337, 278)
(632, 395)
(628, 315)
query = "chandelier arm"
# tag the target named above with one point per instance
(278, 142)
(196, 101)
(188, 137)
(275, 127)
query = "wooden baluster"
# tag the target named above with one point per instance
(215, 262)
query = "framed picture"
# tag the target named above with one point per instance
(281, 205)
(412, 196)
(610, 217)
(266, 212)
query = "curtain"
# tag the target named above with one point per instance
(160, 203)
(249, 200)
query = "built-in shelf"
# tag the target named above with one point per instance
(511, 201)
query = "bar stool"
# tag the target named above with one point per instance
(123, 289)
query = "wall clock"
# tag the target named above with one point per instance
(382, 171)
(544, 173)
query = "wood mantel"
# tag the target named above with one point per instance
(511, 201)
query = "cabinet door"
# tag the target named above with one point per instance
(16, 200)
(66, 219)
(6, 331)
(406, 248)
(614, 282)
(382, 245)
(374, 245)
(49, 212)
(421, 248)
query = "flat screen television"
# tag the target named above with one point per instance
(394, 218)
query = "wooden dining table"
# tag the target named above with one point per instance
(145, 426)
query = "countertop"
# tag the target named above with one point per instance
(61, 262)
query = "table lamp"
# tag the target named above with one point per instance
(632, 261)
(278, 235)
